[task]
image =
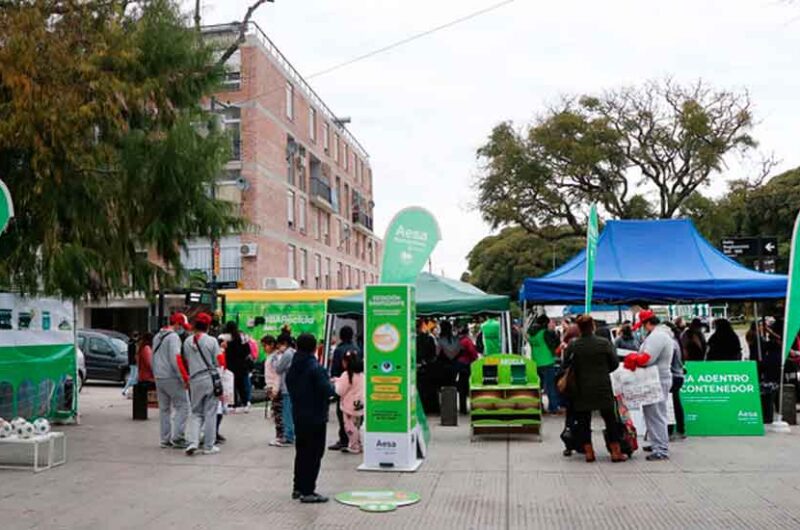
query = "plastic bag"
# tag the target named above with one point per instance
(227, 386)
(641, 387)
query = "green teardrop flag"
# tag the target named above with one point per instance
(411, 237)
(6, 207)
(591, 255)
(791, 322)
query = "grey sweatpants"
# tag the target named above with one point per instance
(204, 412)
(655, 417)
(172, 397)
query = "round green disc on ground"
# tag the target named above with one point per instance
(376, 496)
(378, 507)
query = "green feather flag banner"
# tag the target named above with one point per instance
(791, 325)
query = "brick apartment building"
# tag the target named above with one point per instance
(300, 177)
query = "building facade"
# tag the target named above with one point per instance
(297, 174)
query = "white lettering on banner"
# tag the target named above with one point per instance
(410, 237)
(288, 319)
(385, 444)
(388, 300)
(709, 388)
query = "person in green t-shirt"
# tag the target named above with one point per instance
(544, 340)
(489, 340)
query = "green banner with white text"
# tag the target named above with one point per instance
(721, 398)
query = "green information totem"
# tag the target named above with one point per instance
(721, 398)
(392, 434)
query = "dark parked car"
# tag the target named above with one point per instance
(106, 354)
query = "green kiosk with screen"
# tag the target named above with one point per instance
(505, 396)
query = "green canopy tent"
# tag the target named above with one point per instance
(438, 296)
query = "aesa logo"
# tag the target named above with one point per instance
(408, 233)
(747, 414)
(385, 444)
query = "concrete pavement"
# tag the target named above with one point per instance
(117, 478)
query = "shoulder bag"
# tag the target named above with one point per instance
(216, 380)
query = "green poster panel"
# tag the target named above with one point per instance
(267, 318)
(721, 398)
(388, 371)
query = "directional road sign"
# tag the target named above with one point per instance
(736, 247)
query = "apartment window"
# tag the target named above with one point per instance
(339, 275)
(347, 201)
(290, 208)
(356, 168)
(303, 267)
(292, 150)
(233, 72)
(315, 223)
(346, 157)
(326, 137)
(363, 277)
(349, 277)
(326, 227)
(232, 123)
(289, 101)
(301, 215)
(340, 232)
(291, 262)
(371, 253)
(358, 244)
(317, 271)
(336, 147)
(312, 123)
(328, 272)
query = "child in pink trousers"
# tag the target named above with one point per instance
(350, 388)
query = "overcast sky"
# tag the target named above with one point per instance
(422, 109)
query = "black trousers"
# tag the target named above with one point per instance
(680, 424)
(462, 384)
(343, 440)
(583, 426)
(309, 443)
(242, 396)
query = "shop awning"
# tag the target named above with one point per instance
(436, 296)
(655, 261)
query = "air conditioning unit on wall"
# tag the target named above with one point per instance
(248, 250)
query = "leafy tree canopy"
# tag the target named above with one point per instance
(104, 145)
(639, 152)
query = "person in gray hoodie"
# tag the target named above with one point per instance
(200, 355)
(173, 401)
(282, 365)
(659, 345)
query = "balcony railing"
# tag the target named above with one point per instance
(321, 189)
(360, 218)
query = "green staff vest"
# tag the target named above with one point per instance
(540, 351)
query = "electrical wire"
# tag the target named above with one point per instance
(395, 44)
(412, 38)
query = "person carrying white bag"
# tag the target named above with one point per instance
(659, 345)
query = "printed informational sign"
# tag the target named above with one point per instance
(391, 436)
(387, 324)
(267, 318)
(721, 398)
(38, 375)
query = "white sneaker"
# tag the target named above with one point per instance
(247, 408)
(214, 450)
(276, 443)
(190, 450)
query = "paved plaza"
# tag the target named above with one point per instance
(117, 478)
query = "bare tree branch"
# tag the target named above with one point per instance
(242, 32)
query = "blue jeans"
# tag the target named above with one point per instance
(133, 378)
(288, 421)
(547, 375)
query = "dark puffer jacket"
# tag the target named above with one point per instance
(309, 389)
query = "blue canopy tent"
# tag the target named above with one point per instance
(658, 261)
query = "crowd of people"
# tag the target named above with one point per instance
(190, 368)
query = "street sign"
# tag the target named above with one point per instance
(735, 247)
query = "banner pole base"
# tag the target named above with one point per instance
(779, 426)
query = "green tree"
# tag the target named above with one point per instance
(638, 152)
(104, 145)
(499, 263)
(748, 209)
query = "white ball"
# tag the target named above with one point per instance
(41, 426)
(25, 431)
(6, 429)
(16, 422)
